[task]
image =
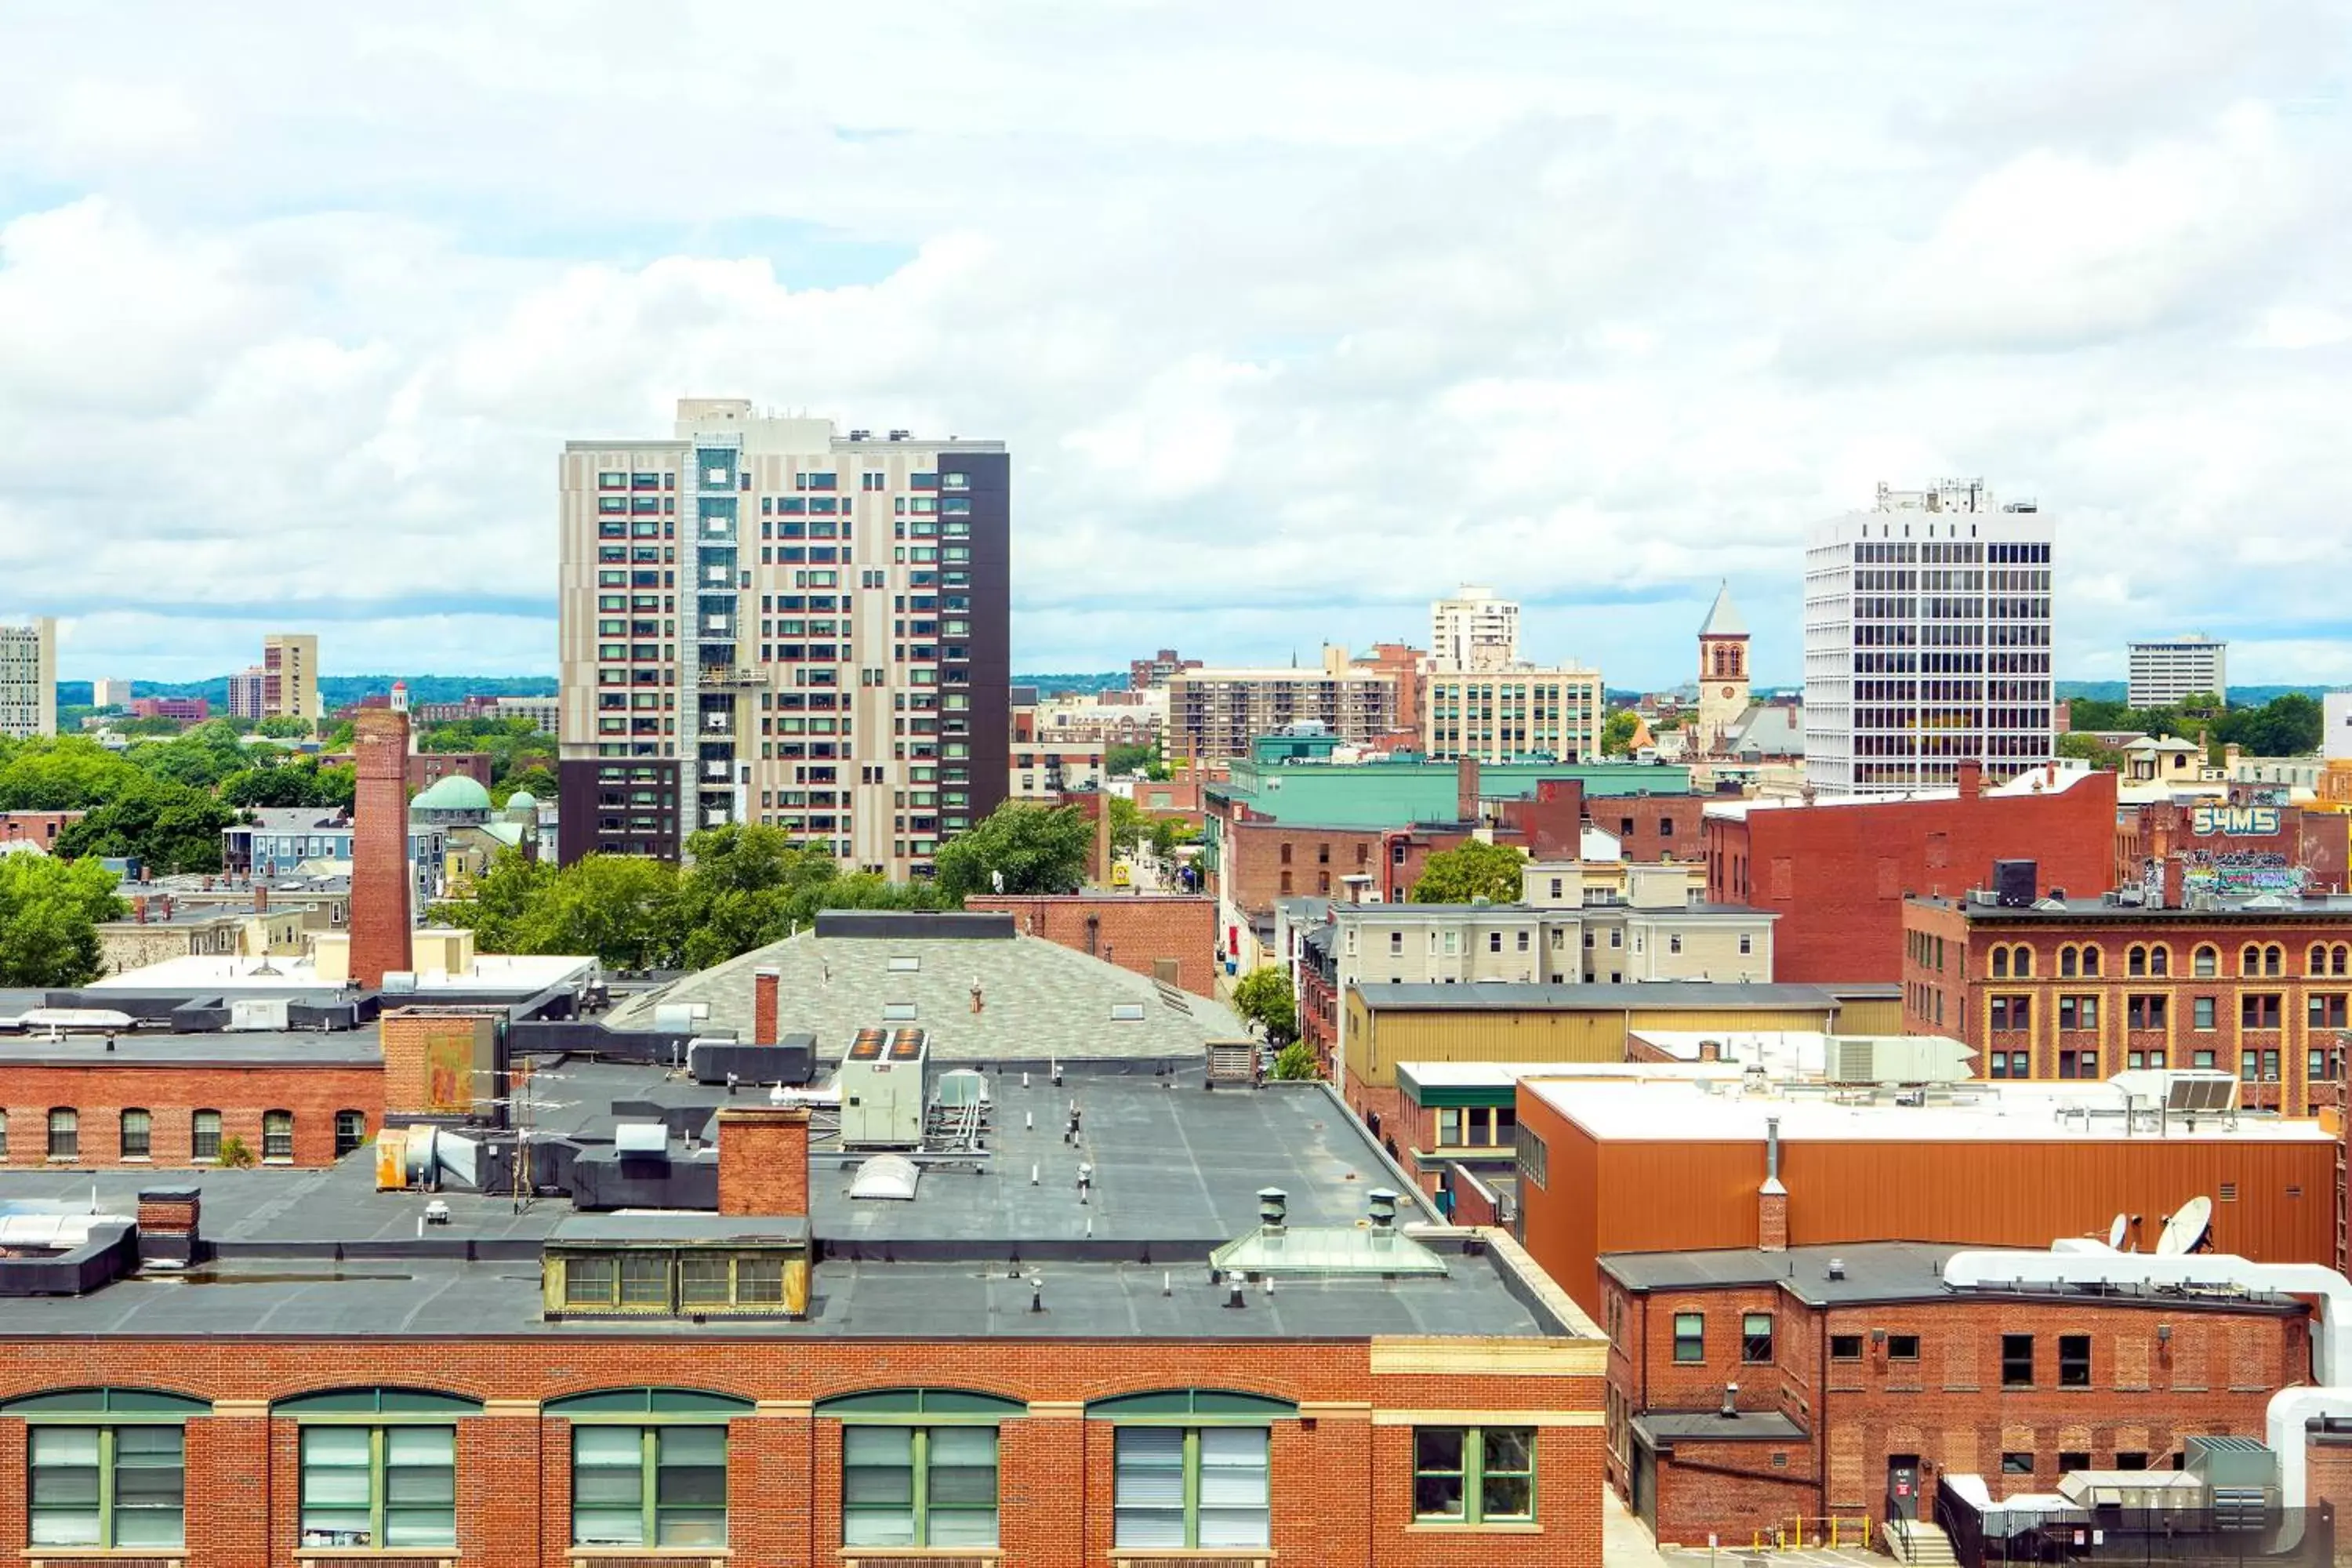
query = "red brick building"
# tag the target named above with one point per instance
(1166, 937)
(1837, 872)
(428, 768)
(1858, 1379)
(2240, 835)
(186, 1100)
(2260, 988)
(40, 828)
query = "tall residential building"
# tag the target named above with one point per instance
(2161, 673)
(1213, 714)
(109, 691)
(1474, 630)
(1927, 640)
(762, 620)
(28, 678)
(1514, 715)
(1151, 674)
(290, 676)
(247, 690)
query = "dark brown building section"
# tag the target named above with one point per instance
(617, 805)
(987, 669)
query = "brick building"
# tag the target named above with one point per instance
(426, 769)
(185, 709)
(91, 1103)
(2258, 988)
(1679, 1166)
(1857, 1379)
(38, 827)
(1837, 871)
(2248, 843)
(784, 1374)
(1169, 937)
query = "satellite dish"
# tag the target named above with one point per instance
(2118, 1229)
(2186, 1231)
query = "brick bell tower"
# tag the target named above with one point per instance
(1722, 674)
(380, 913)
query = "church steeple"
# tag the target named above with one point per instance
(1722, 672)
(1723, 620)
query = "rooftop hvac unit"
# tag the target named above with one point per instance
(1894, 1058)
(257, 1013)
(884, 1083)
(2240, 1477)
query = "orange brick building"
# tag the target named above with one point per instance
(75, 1104)
(1166, 937)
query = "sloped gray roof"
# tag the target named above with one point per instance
(1723, 620)
(1038, 1000)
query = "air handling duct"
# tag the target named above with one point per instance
(2291, 1409)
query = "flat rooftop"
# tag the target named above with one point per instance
(516, 976)
(1679, 995)
(1870, 1271)
(1430, 1082)
(1175, 1172)
(1684, 1112)
(2255, 907)
(225, 1047)
(1039, 1001)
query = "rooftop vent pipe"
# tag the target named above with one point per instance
(1384, 1209)
(1273, 1207)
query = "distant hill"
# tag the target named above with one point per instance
(335, 691)
(1058, 685)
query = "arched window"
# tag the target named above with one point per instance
(277, 1135)
(2316, 962)
(918, 1465)
(2159, 960)
(2207, 963)
(2274, 959)
(1190, 1467)
(138, 1134)
(2000, 963)
(2135, 960)
(65, 1133)
(2021, 964)
(2339, 959)
(2090, 960)
(2066, 962)
(379, 1466)
(107, 1466)
(649, 1465)
(2249, 961)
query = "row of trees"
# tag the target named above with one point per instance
(2288, 725)
(164, 801)
(746, 886)
(49, 910)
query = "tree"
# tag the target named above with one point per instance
(167, 827)
(1471, 870)
(1296, 1061)
(537, 779)
(2092, 750)
(1169, 833)
(1129, 826)
(1120, 762)
(285, 727)
(270, 783)
(49, 910)
(1264, 997)
(498, 914)
(1617, 732)
(2289, 725)
(1035, 848)
(621, 908)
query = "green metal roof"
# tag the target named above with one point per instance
(1392, 794)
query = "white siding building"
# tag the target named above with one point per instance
(1927, 640)
(1474, 630)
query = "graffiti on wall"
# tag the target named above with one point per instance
(2228, 874)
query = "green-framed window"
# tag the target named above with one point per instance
(1191, 1467)
(1474, 1475)
(106, 1468)
(379, 1467)
(918, 1465)
(649, 1465)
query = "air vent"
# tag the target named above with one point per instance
(904, 965)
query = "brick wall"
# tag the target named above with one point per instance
(1340, 1481)
(380, 913)
(1836, 874)
(432, 1061)
(40, 828)
(764, 1160)
(1253, 863)
(1135, 933)
(171, 1094)
(1652, 826)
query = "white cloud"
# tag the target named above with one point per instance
(1292, 317)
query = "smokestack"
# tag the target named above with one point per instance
(380, 885)
(1773, 1198)
(764, 983)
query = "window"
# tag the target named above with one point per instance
(2013, 1012)
(2016, 1463)
(205, 1135)
(2135, 959)
(1756, 1339)
(2327, 1012)
(2091, 961)
(113, 1478)
(350, 1132)
(2202, 1011)
(2258, 1011)
(2159, 960)
(2000, 963)
(2078, 1064)
(138, 1133)
(2078, 1012)
(918, 1467)
(65, 1134)
(2127, 1460)
(2207, 963)
(2017, 1361)
(1690, 1336)
(1190, 1486)
(1845, 1347)
(1902, 1347)
(1494, 941)
(2074, 1361)
(277, 1135)
(648, 1486)
(2144, 1011)
(1473, 1475)
(393, 1485)
(2071, 1461)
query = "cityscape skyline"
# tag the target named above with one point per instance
(2099, 277)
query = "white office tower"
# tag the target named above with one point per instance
(1927, 640)
(2167, 670)
(1474, 630)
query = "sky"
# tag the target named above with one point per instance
(1292, 316)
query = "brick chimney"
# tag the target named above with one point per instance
(2176, 883)
(139, 910)
(380, 918)
(763, 1160)
(260, 900)
(1971, 778)
(764, 983)
(168, 1219)
(1465, 790)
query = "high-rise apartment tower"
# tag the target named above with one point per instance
(1474, 630)
(28, 678)
(1927, 640)
(763, 620)
(290, 676)
(2162, 671)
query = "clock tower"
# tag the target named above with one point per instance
(1722, 674)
